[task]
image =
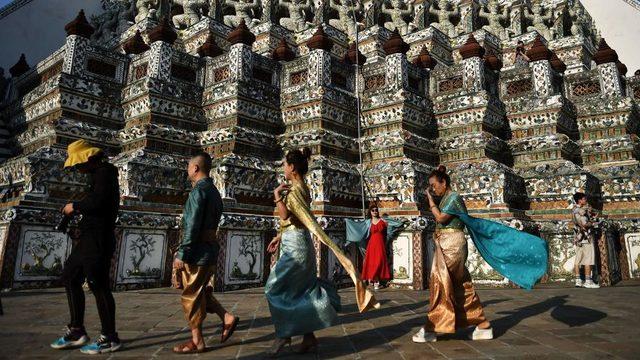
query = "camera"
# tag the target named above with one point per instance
(63, 224)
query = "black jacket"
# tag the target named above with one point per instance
(99, 210)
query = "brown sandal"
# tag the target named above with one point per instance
(190, 346)
(230, 328)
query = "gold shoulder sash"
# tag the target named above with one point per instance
(298, 205)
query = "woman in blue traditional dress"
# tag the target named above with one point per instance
(300, 302)
(454, 304)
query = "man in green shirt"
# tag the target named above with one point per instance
(198, 253)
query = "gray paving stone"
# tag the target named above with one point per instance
(553, 322)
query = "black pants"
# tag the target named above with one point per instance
(95, 269)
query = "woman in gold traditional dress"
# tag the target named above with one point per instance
(454, 303)
(300, 302)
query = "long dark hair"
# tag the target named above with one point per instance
(299, 158)
(440, 173)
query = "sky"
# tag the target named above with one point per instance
(620, 26)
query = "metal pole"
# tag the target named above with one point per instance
(360, 165)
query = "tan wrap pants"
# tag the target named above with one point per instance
(454, 303)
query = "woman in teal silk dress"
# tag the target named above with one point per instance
(454, 304)
(300, 302)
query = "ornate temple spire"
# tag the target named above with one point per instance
(350, 55)
(135, 45)
(471, 48)
(424, 59)
(79, 26)
(210, 48)
(622, 68)
(557, 64)
(395, 44)
(493, 62)
(283, 52)
(241, 35)
(538, 51)
(163, 32)
(605, 54)
(20, 67)
(320, 40)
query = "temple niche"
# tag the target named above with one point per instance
(153, 81)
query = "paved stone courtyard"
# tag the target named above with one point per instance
(551, 322)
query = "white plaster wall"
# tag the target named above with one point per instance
(37, 29)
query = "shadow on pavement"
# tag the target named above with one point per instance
(568, 314)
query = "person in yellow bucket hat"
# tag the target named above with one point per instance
(79, 152)
(90, 258)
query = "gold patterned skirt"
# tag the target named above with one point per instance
(454, 303)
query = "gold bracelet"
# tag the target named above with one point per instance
(434, 206)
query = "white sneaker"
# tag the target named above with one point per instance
(376, 286)
(481, 334)
(579, 283)
(423, 336)
(589, 284)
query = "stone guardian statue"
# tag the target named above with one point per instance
(297, 20)
(144, 9)
(398, 15)
(345, 21)
(495, 17)
(444, 15)
(193, 12)
(539, 20)
(245, 10)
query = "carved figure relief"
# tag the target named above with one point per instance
(444, 15)
(495, 17)
(345, 21)
(247, 10)
(145, 9)
(516, 20)
(580, 25)
(193, 11)
(399, 12)
(115, 20)
(372, 10)
(421, 16)
(299, 11)
(539, 20)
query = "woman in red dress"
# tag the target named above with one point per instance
(376, 267)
